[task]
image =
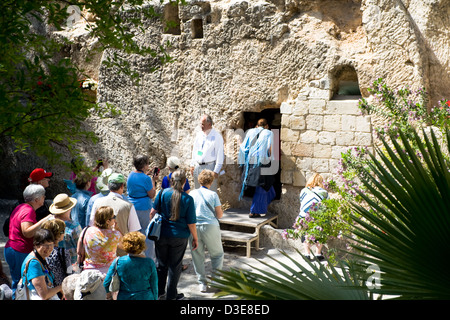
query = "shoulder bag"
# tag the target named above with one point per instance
(208, 204)
(115, 280)
(22, 291)
(81, 253)
(154, 227)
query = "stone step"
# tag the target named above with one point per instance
(271, 237)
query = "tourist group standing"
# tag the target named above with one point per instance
(92, 244)
(88, 241)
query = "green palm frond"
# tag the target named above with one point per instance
(281, 281)
(406, 231)
(403, 229)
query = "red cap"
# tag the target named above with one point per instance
(39, 174)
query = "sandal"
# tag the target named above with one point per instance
(254, 215)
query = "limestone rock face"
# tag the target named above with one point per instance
(234, 57)
(309, 60)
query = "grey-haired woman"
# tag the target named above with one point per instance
(22, 228)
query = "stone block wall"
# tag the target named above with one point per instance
(316, 129)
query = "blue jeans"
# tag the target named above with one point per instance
(15, 260)
(144, 220)
(169, 253)
(208, 238)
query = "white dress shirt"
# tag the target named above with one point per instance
(133, 220)
(208, 147)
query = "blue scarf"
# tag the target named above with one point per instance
(254, 151)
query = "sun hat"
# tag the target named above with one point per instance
(38, 174)
(89, 286)
(173, 162)
(102, 181)
(62, 203)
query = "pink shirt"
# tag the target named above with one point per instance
(22, 213)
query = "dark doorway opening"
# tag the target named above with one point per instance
(197, 28)
(273, 117)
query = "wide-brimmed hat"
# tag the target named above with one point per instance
(62, 203)
(89, 286)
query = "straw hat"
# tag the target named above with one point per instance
(62, 203)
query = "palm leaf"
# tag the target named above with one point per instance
(404, 230)
(280, 281)
(408, 228)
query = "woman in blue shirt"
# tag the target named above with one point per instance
(38, 279)
(178, 212)
(140, 191)
(137, 274)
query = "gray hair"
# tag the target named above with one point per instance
(208, 119)
(140, 161)
(114, 186)
(32, 192)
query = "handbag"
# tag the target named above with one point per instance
(154, 227)
(115, 281)
(23, 292)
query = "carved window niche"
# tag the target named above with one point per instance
(171, 19)
(197, 28)
(345, 83)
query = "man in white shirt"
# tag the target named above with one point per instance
(207, 151)
(126, 216)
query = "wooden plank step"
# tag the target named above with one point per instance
(237, 236)
(239, 217)
(248, 238)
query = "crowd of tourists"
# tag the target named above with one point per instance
(91, 242)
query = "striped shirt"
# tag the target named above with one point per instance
(310, 196)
